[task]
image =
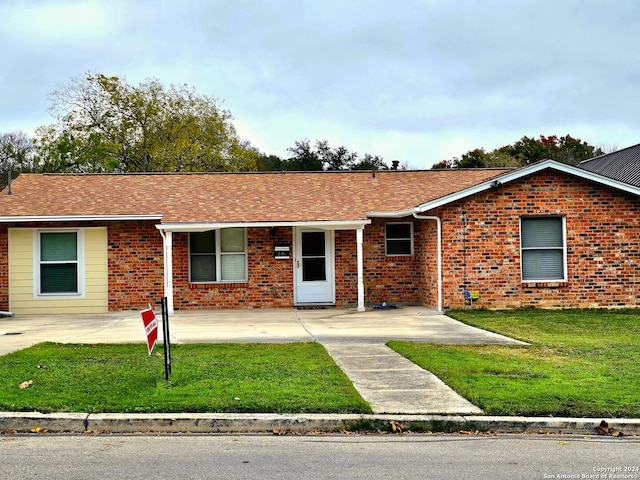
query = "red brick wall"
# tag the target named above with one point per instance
(481, 236)
(136, 265)
(346, 269)
(391, 279)
(270, 282)
(4, 269)
(427, 238)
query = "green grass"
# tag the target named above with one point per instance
(297, 377)
(579, 363)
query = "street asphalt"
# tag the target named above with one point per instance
(397, 390)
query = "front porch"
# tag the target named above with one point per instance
(274, 265)
(284, 265)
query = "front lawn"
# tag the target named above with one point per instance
(289, 378)
(581, 363)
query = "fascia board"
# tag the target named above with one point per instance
(76, 218)
(407, 212)
(205, 226)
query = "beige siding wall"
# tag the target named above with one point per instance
(22, 296)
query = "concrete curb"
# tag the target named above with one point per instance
(35, 422)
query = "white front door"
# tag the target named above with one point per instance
(314, 266)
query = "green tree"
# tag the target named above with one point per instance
(105, 124)
(269, 162)
(472, 159)
(499, 159)
(62, 151)
(443, 164)
(524, 151)
(339, 158)
(369, 162)
(321, 156)
(565, 149)
(304, 157)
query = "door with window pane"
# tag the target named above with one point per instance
(314, 266)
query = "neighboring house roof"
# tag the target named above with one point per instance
(622, 165)
(230, 197)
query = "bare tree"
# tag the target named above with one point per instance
(17, 154)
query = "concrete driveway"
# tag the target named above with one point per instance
(326, 326)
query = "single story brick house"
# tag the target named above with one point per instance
(547, 235)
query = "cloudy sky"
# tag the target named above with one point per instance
(411, 80)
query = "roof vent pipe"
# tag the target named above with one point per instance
(394, 164)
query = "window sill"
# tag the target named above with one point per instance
(545, 284)
(58, 296)
(399, 258)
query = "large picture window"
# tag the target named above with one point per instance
(543, 249)
(59, 263)
(218, 256)
(399, 239)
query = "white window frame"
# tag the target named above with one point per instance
(563, 219)
(80, 262)
(219, 254)
(386, 239)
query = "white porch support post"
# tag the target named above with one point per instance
(359, 240)
(167, 239)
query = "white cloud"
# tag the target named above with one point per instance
(413, 80)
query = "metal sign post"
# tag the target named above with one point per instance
(167, 342)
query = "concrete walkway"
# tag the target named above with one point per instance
(355, 340)
(388, 381)
(393, 384)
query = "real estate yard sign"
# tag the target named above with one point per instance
(150, 327)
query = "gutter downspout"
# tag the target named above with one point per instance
(439, 260)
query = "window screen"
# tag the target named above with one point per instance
(542, 242)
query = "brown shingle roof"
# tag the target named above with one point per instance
(234, 197)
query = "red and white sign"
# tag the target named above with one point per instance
(150, 328)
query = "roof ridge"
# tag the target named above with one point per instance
(267, 172)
